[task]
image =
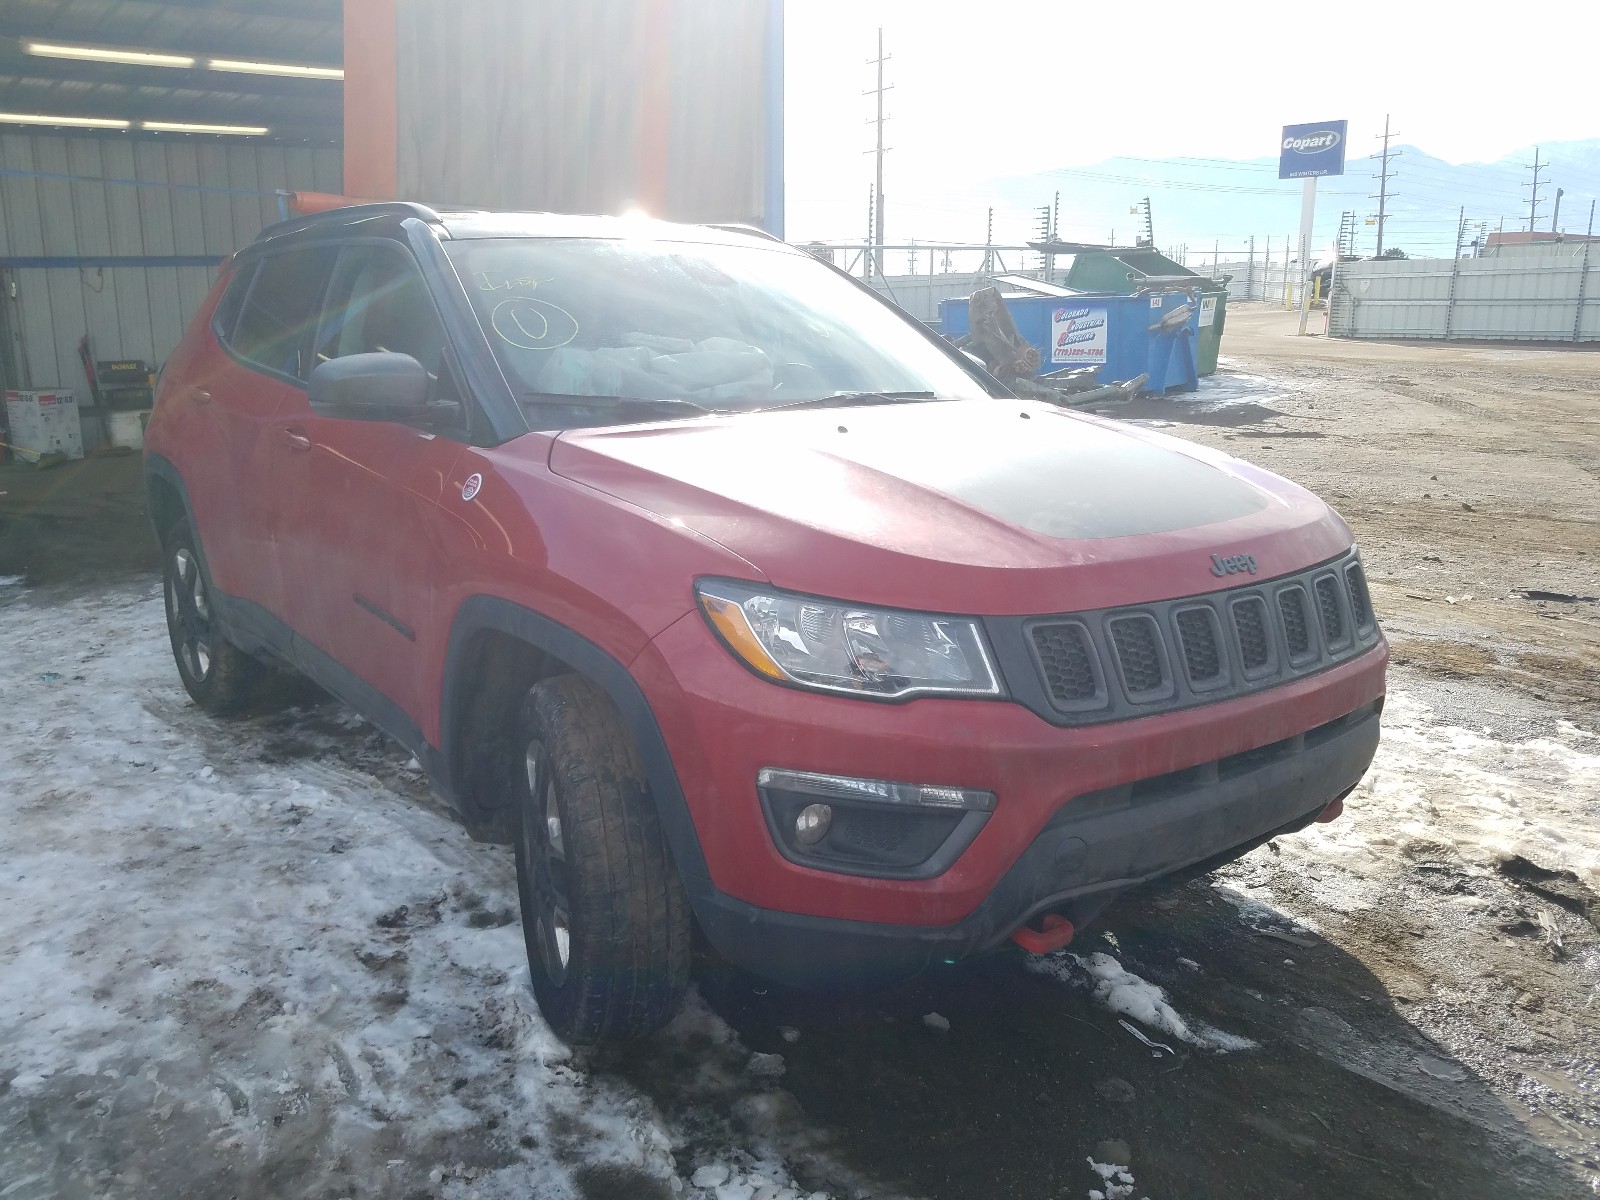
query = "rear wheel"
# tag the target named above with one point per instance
(219, 677)
(604, 913)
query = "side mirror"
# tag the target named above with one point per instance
(370, 387)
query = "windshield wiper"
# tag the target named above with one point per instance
(842, 399)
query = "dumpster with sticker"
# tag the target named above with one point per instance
(1119, 336)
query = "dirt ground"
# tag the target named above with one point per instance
(1470, 475)
(1420, 981)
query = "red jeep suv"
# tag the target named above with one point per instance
(729, 594)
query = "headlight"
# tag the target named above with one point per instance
(848, 648)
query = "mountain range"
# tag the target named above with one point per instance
(1199, 203)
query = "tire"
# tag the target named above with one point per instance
(604, 912)
(219, 677)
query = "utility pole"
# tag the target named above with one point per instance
(1556, 215)
(1384, 195)
(1533, 199)
(879, 151)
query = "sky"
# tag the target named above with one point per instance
(984, 91)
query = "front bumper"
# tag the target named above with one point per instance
(1082, 813)
(1094, 849)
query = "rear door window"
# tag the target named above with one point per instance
(274, 325)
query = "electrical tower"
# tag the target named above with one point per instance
(1384, 194)
(1148, 238)
(866, 258)
(880, 150)
(1348, 224)
(1533, 199)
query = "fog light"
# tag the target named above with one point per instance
(811, 826)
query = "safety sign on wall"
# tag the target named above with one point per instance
(1078, 335)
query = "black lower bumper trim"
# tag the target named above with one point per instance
(1096, 848)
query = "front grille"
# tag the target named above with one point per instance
(1296, 633)
(1068, 662)
(1327, 589)
(1360, 603)
(1202, 657)
(1250, 623)
(1112, 663)
(1138, 644)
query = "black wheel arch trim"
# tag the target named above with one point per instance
(494, 614)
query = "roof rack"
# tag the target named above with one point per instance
(349, 213)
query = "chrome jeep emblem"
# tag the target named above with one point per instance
(1222, 567)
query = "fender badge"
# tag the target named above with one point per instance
(470, 488)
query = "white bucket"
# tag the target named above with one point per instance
(127, 429)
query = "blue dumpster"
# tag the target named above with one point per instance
(1154, 334)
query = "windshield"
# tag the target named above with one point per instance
(591, 331)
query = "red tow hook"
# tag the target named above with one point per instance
(1332, 812)
(1057, 932)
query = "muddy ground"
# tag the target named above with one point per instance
(1421, 980)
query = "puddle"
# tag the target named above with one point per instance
(1227, 399)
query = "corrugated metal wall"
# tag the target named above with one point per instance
(594, 107)
(1538, 295)
(117, 237)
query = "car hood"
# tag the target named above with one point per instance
(1002, 507)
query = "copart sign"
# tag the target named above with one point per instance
(1312, 150)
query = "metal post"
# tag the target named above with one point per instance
(1583, 279)
(1250, 269)
(1556, 215)
(1308, 212)
(1455, 273)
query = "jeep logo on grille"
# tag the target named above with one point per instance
(1312, 143)
(1223, 567)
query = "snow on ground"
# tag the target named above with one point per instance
(1437, 789)
(233, 965)
(1120, 991)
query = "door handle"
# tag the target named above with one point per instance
(198, 395)
(294, 439)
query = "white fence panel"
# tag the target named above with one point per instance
(1541, 297)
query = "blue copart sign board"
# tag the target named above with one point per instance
(1312, 150)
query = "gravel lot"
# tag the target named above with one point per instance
(255, 959)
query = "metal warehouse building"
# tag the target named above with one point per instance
(142, 141)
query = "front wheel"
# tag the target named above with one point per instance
(604, 913)
(219, 677)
